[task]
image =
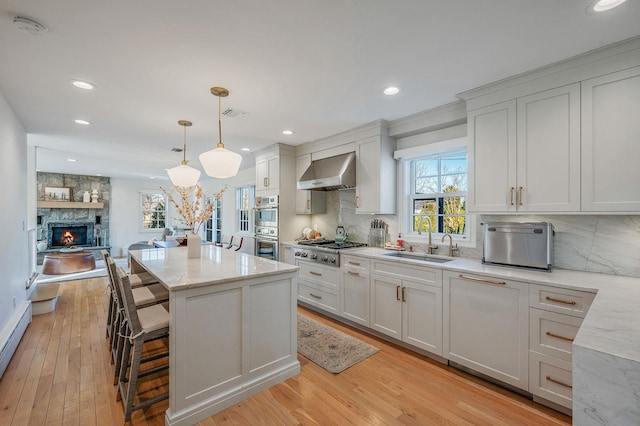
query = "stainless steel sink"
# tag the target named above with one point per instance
(418, 256)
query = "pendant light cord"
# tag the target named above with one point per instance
(184, 151)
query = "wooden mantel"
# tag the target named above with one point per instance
(68, 205)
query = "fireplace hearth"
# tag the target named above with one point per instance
(69, 234)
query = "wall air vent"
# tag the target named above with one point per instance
(176, 149)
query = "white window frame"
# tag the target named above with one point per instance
(141, 227)
(249, 220)
(405, 196)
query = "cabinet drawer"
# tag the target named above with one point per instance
(550, 378)
(355, 264)
(318, 296)
(421, 274)
(325, 275)
(551, 333)
(571, 302)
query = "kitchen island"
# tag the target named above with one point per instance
(232, 328)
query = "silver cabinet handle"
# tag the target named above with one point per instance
(315, 273)
(354, 263)
(315, 295)
(353, 273)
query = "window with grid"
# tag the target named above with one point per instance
(438, 194)
(213, 226)
(153, 211)
(244, 206)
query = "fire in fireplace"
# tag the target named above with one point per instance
(70, 234)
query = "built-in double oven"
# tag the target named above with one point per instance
(266, 227)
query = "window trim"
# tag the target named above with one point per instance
(141, 227)
(405, 196)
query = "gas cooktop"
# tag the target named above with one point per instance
(330, 244)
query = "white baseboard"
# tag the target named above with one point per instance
(10, 336)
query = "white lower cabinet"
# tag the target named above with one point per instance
(406, 304)
(486, 326)
(355, 289)
(555, 315)
(318, 285)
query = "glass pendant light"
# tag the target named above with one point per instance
(184, 175)
(220, 162)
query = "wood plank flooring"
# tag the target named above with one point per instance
(61, 375)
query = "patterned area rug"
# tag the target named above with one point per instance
(331, 349)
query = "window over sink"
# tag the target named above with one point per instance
(435, 190)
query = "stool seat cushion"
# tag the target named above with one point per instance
(152, 293)
(154, 317)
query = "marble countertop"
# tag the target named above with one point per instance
(612, 324)
(216, 266)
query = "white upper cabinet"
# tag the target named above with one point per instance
(308, 202)
(548, 150)
(375, 176)
(267, 175)
(525, 153)
(492, 157)
(611, 142)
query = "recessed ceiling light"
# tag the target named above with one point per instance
(287, 132)
(604, 5)
(152, 177)
(83, 122)
(29, 25)
(71, 160)
(83, 84)
(245, 149)
(391, 90)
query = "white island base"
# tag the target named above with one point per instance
(232, 330)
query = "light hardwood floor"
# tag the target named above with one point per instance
(61, 375)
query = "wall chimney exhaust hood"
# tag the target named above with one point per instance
(329, 174)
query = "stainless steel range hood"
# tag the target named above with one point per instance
(330, 173)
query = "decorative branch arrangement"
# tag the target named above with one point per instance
(193, 212)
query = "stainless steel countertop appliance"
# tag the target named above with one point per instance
(322, 251)
(525, 245)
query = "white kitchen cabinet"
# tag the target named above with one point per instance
(267, 175)
(610, 136)
(318, 285)
(355, 287)
(555, 315)
(406, 304)
(525, 153)
(375, 176)
(308, 202)
(486, 326)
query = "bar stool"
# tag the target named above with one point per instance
(137, 280)
(144, 324)
(142, 296)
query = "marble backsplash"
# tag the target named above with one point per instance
(608, 244)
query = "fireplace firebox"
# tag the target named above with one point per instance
(70, 234)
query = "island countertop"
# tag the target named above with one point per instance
(215, 266)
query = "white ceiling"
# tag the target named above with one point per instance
(317, 67)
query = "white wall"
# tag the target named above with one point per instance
(14, 253)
